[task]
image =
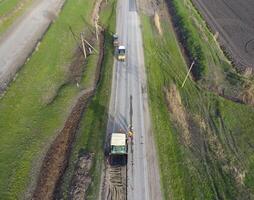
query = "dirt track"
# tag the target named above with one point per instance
(233, 20)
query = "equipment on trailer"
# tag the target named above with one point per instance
(121, 53)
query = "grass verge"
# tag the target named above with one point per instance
(218, 157)
(38, 102)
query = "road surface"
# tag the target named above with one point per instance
(20, 40)
(129, 78)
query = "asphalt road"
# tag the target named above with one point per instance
(129, 78)
(20, 40)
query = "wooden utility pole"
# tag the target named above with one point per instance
(96, 30)
(90, 45)
(83, 44)
(188, 74)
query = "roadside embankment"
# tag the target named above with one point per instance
(203, 140)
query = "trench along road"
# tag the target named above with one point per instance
(141, 180)
(20, 40)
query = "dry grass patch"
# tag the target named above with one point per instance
(178, 112)
(248, 94)
(157, 23)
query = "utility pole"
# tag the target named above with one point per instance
(83, 44)
(188, 74)
(96, 30)
(90, 45)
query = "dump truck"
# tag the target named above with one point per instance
(115, 40)
(121, 53)
(118, 148)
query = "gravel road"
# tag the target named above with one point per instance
(129, 78)
(20, 40)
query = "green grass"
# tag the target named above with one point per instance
(91, 134)
(198, 171)
(8, 7)
(212, 68)
(39, 100)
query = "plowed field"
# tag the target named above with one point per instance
(233, 22)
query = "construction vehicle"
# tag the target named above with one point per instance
(121, 53)
(118, 148)
(115, 40)
(118, 153)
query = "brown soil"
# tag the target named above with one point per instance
(56, 159)
(81, 178)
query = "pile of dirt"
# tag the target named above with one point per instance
(81, 178)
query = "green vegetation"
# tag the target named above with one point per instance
(7, 6)
(91, 134)
(213, 164)
(38, 102)
(212, 68)
(10, 10)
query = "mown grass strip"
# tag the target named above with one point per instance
(39, 100)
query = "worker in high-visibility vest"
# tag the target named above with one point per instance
(130, 134)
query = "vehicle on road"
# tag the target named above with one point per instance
(115, 40)
(118, 148)
(121, 53)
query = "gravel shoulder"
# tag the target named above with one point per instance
(17, 44)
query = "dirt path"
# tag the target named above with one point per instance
(17, 44)
(129, 78)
